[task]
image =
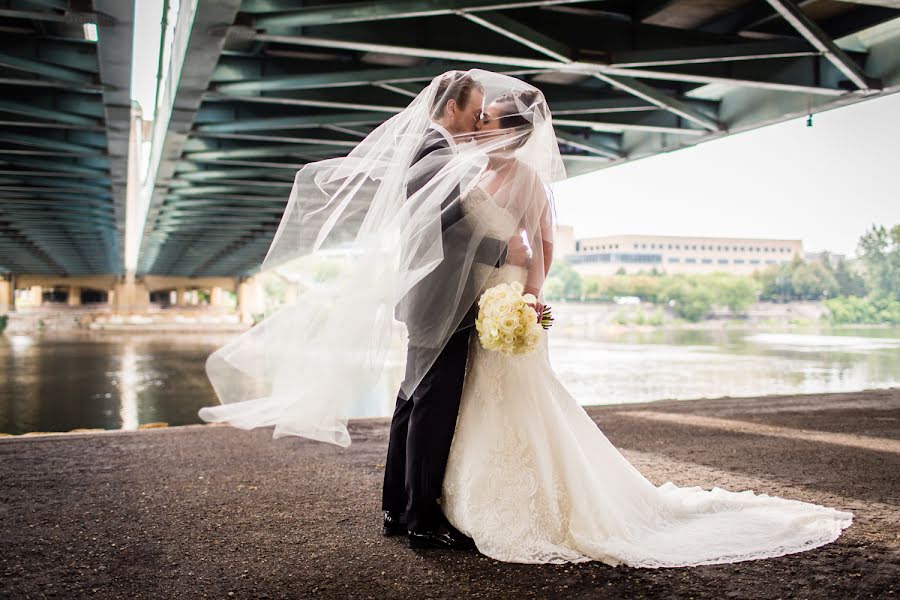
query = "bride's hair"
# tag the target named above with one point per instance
(511, 106)
(517, 111)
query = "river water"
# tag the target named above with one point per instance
(63, 381)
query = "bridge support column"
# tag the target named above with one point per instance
(130, 296)
(215, 297)
(37, 295)
(74, 296)
(8, 294)
(249, 299)
(181, 296)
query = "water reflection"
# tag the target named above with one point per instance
(64, 381)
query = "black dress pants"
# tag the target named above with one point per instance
(421, 432)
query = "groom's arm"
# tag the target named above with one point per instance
(430, 160)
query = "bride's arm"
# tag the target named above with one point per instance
(542, 254)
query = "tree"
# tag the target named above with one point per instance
(849, 282)
(592, 290)
(880, 253)
(812, 281)
(569, 284)
(737, 293)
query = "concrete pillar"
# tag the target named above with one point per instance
(7, 295)
(215, 297)
(37, 295)
(74, 295)
(131, 296)
(181, 298)
(249, 299)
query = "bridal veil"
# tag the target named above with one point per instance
(397, 245)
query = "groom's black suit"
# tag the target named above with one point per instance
(423, 423)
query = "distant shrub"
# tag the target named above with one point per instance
(855, 310)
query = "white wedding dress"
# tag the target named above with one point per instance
(533, 480)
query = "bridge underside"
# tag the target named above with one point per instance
(267, 86)
(285, 86)
(64, 125)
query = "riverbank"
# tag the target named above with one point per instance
(209, 511)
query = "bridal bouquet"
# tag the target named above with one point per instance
(506, 323)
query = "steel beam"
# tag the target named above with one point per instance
(538, 42)
(294, 122)
(818, 38)
(45, 69)
(302, 102)
(391, 9)
(31, 110)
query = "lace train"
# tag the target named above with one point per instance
(533, 480)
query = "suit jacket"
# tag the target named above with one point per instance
(416, 308)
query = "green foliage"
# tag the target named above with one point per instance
(563, 283)
(737, 293)
(849, 282)
(640, 318)
(797, 280)
(880, 253)
(691, 298)
(620, 318)
(657, 318)
(852, 310)
(4, 319)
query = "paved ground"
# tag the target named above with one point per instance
(212, 512)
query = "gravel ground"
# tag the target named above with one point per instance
(213, 512)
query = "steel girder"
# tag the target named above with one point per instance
(64, 125)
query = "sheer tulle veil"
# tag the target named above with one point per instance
(395, 251)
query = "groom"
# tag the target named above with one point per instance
(423, 423)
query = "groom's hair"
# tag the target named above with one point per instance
(453, 86)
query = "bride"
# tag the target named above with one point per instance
(529, 475)
(533, 480)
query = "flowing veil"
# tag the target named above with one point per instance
(400, 246)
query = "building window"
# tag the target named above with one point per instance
(755, 261)
(690, 260)
(638, 258)
(635, 246)
(670, 246)
(723, 261)
(739, 261)
(673, 259)
(706, 261)
(770, 262)
(678, 246)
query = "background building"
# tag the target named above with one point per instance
(677, 254)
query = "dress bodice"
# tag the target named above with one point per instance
(498, 223)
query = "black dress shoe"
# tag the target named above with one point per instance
(441, 539)
(394, 523)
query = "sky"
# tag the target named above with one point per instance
(824, 185)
